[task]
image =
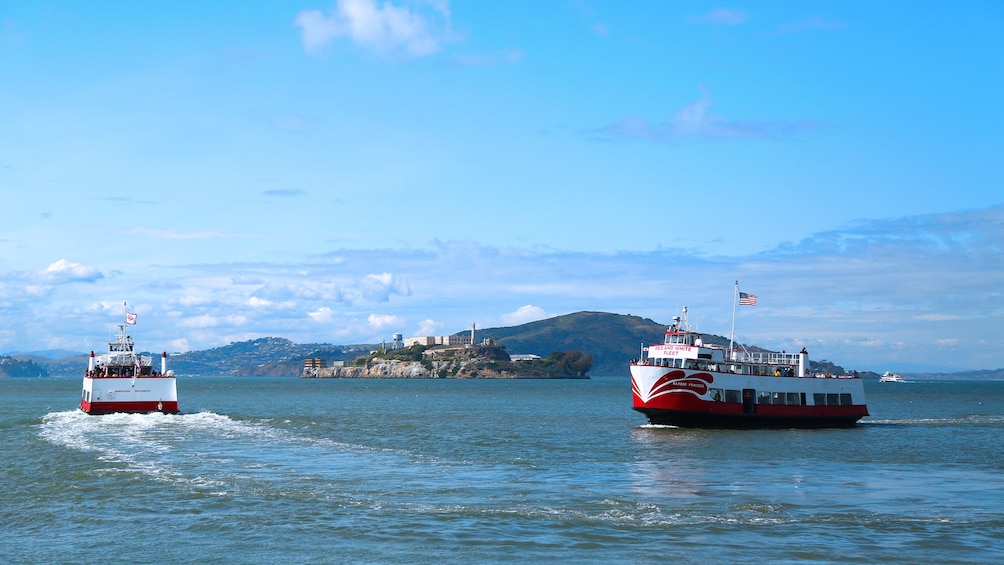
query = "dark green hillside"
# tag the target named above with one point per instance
(612, 339)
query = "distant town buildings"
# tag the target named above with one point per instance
(315, 363)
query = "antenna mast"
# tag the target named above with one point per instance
(732, 338)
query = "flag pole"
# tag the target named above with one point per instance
(732, 337)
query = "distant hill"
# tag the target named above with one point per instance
(987, 375)
(21, 368)
(263, 357)
(612, 339)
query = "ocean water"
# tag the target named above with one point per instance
(269, 470)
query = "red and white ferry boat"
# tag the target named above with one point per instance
(688, 383)
(125, 381)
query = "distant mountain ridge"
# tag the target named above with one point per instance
(612, 340)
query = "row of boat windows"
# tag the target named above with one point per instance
(783, 398)
(120, 372)
(87, 395)
(702, 365)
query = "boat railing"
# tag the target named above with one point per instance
(765, 358)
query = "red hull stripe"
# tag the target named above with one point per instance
(135, 407)
(687, 410)
(686, 419)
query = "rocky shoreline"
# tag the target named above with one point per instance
(395, 369)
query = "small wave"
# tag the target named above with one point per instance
(970, 419)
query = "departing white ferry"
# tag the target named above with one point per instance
(688, 383)
(888, 377)
(125, 381)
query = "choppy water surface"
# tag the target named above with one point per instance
(318, 471)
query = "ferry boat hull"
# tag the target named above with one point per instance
(123, 380)
(108, 395)
(687, 382)
(705, 399)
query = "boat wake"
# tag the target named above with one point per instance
(211, 454)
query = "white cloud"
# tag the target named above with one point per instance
(381, 322)
(68, 271)
(190, 300)
(696, 122)
(507, 56)
(176, 234)
(722, 16)
(256, 302)
(323, 315)
(180, 345)
(385, 28)
(808, 24)
(937, 317)
(379, 288)
(523, 315)
(210, 321)
(428, 327)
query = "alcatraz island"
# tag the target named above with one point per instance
(452, 356)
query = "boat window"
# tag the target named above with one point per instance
(845, 399)
(793, 399)
(716, 394)
(832, 399)
(819, 399)
(763, 397)
(733, 396)
(779, 398)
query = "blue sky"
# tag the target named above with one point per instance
(338, 171)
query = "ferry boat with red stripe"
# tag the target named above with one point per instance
(686, 382)
(123, 380)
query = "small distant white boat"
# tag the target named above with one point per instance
(891, 378)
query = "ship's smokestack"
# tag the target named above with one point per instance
(163, 363)
(90, 364)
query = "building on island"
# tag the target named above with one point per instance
(431, 340)
(447, 340)
(523, 357)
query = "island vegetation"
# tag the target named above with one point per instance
(490, 361)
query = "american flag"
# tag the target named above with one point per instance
(747, 299)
